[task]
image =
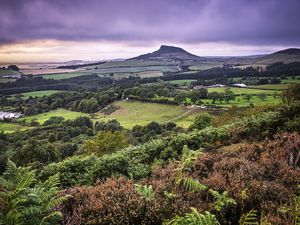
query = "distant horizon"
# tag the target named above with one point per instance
(260, 53)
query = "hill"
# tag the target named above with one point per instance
(166, 52)
(286, 56)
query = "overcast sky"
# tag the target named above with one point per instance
(59, 30)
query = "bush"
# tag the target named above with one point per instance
(53, 120)
(112, 202)
(202, 121)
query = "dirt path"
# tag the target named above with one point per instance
(183, 114)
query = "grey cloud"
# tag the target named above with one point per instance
(187, 21)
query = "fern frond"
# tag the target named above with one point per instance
(193, 185)
(221, 200)
(249, 218)
(145, 191)
(52, 218)
(194, 218)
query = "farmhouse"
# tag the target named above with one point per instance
(197, 87)
(9, 115)
(15, 76)
(240, 85)
(217, 85)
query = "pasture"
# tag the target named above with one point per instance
(143, 74)
(130, 63)
(238, 91)
(133, 113)
(60, 76)
(38, 93)
(290, 80)
(181, 82)
(271, 86)
(205, 65)
(5, 80)
(4, 72)
(41, 118)
(12, 127)
(240, 101)
(169, 68)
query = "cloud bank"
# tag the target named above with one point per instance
(137, 21)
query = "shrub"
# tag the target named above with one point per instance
(113, 202)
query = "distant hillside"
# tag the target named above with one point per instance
(166, 52)
(286, 56)
(290, 51)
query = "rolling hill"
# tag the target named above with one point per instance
(166, 52)
(286, 56)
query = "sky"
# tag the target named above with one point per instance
(62, 30)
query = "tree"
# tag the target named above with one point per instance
(13, 67)
(291, 94)
(82, 121)
(262, 96)
(221, 97)
(180, 97)
(88, 105)
(248, 97)
(214, 96)
(197, 95)
(107, 142)
(26, 201)
(229, 95)
(112, 125)
(54, 120)
(35, 151)
(201, 121)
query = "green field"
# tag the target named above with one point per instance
(143, 74)
(12, 127)
(290, 80)
(41, 118)
(5, 80)
(205, 66)
(38, 93)
(8, 72)
(238, 91)
(130, 63)
(271, 86)
(182, 82)
(170, 68)
(134, 112)
(241, 102)
(60, 76)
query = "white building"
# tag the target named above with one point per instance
(240, 85)
(9, 115)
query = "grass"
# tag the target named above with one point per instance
(186, 121)
(205, 66)
(133, 112)
(38, 93)
(12, 127)
(271, 86)
(290, 80)
(143, 74)
(8, 72)
(5, 80)
(170, 68)
(41, 118)
(182, 82)
(131, 63)
(240, 101)
(238, 91)
(60, 76)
